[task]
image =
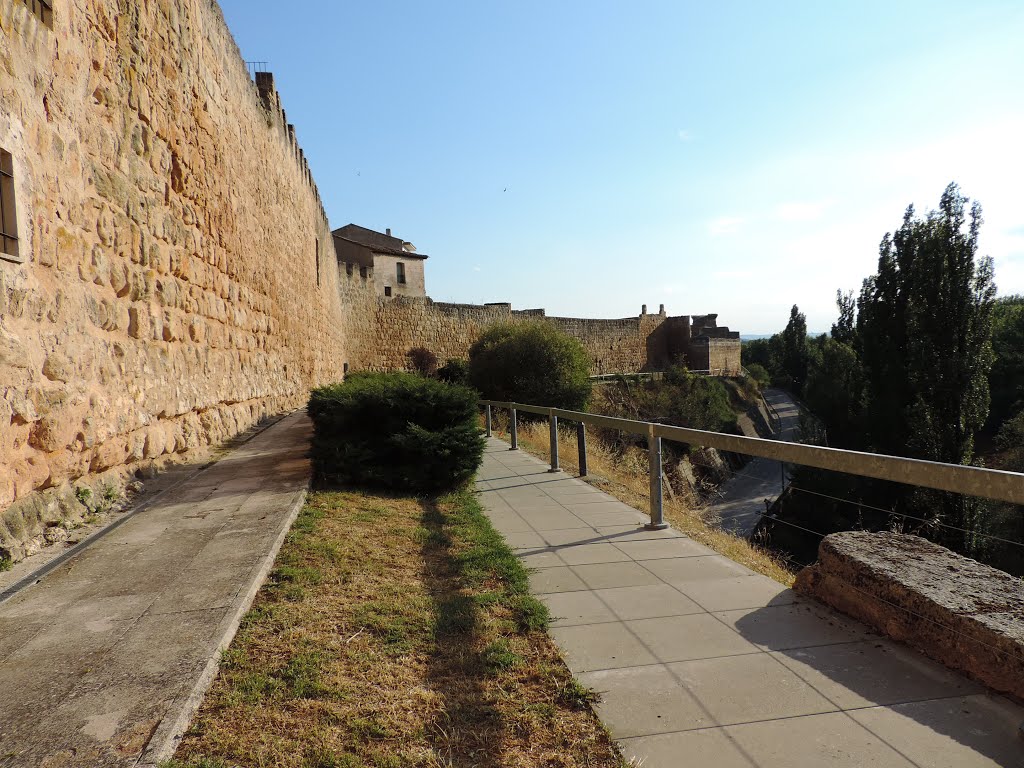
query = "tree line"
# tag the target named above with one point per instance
(923, 362)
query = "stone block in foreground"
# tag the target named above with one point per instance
(964, 614)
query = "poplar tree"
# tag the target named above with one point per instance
(924, 328)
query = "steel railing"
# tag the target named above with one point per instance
(972, 481)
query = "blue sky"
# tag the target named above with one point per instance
(590, 157)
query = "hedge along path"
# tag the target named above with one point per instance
(395, 632)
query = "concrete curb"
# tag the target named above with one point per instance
(168, 734)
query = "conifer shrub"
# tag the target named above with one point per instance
(395, 430)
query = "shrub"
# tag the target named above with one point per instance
(397, 431)
(424, 362)
(454, 372)
(759, 374)
(531, 363)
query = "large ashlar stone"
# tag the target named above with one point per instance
(962, 613)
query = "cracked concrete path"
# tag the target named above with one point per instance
(702, 662)
(104, 660)
(741, 504)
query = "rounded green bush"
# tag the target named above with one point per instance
(397, 431)
(530, 363)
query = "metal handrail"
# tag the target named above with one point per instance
(995, 484)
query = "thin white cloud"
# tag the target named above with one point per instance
(684, 135)
(724, 225)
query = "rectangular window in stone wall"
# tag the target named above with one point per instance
(401, 273)
(43, 9)
(387, 290)
(8, 213)
(318, 262)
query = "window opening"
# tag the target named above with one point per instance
(41, 9)
(401, 273)
(8, 212)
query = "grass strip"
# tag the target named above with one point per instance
(395, 631)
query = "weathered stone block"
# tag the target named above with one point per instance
(962, 613)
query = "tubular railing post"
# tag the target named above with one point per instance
(553, 422)
(514, 431)
(488, 419)
(581, 444)
(654, 455)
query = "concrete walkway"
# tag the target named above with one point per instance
(103, 661)
(701, 662)
(741, 504)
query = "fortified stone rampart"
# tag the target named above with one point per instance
(175, 279)
(629, 344)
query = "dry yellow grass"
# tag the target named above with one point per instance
(395, 632)
(625, 476)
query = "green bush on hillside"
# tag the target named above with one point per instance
(395, 430)
(455, 371)
(531, 363)
(759, 374)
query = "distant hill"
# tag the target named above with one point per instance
(753, 336)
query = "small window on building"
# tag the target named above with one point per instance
(387, 290)
(401, 273)
(362, 272)
(345, 369)
(8, 213)
(42, 9)
(318, 262)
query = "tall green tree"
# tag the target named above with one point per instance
(1006, 382)
(844, 329)
(925, 327)
(794, 348)
(835, 385)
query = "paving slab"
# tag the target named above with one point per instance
(699, 661)
(104, 659)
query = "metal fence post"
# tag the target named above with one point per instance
(553, 424)
(654, 455)
(514, 431)
(488, 421)
(581, 444)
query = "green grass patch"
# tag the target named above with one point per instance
(394, 631)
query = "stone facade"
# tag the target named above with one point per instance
(168, 293)
(397, 268)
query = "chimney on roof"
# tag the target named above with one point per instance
(389, 231)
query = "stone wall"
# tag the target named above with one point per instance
(963, 614)
(168, 295)
(715, 354)
(629, 344)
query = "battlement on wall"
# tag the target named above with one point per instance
(271, 101)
